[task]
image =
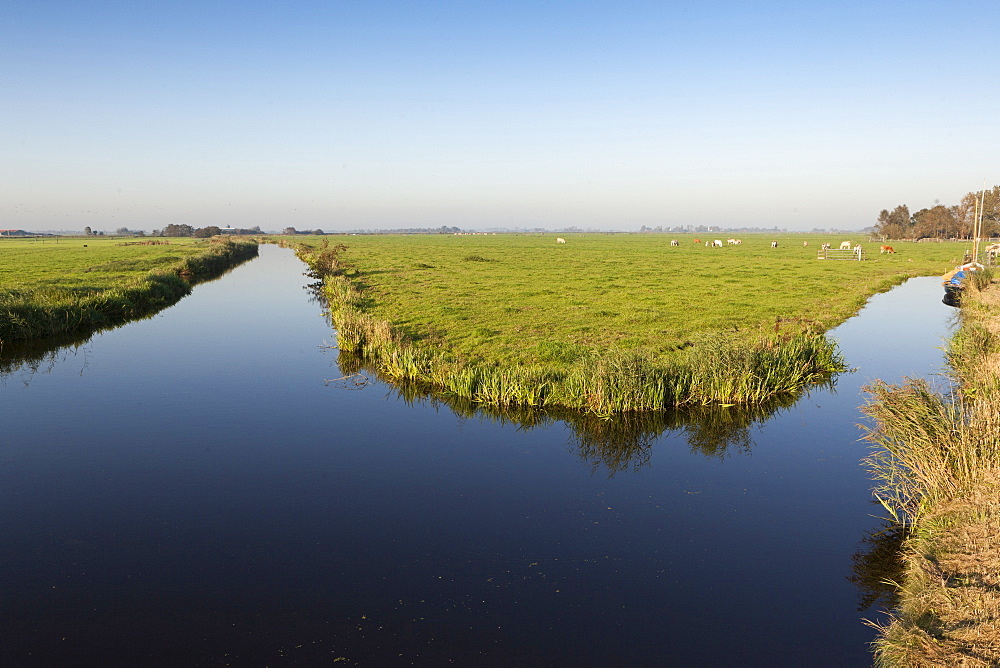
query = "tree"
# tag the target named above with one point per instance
(991, 210)
(289, 230)
(938, 222)
(318, 232)
(895, 224)
(206, 232)
(87, 230)
(122, 231)
(173, 230)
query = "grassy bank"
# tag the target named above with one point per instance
(77, 285)
(603, 323)
(937, 462)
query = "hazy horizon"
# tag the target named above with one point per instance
(344, 116)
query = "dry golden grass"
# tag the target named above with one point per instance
(949, 614)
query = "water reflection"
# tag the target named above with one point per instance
(619, 443)
(25, 359)
(878, 565)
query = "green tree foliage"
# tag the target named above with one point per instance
(938, 222)
(894, 225)
(173, 230)
(206, 232)
(942, 221)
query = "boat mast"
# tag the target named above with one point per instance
(980, 203)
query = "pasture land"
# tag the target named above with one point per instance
(85, 264)
(521, 297)
(519, 319)
(56, 286)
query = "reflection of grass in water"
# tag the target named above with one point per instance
(878, 567)
(34, 357)
(617, 443)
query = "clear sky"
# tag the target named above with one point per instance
(388, 113)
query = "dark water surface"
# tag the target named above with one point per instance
(188, 490)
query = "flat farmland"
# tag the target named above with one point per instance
(511, 297)
(86, 264)
(59, 286)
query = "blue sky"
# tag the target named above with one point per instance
(367, 114)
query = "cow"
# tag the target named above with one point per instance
(857, 248)
(774, 244)
(826, 246)
(717, 243)
(731, 242)
(673, 242)
(697, 241)
(805, 243)
(886, 249)
(560, 240)
(737, 241)
(846, 245)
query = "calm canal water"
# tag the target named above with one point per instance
(190, 490)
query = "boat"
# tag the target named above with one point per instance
(954, 282)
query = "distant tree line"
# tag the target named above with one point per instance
(292, 230)
(444, 229)
(943, 222)
(180, 230)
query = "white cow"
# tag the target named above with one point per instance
(731, 242)
(846, 245)
(774, 244)
(673, 242)
(560, 240)
(717, 243)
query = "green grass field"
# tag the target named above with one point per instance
(58, 286)
(86, 264)
(603, 323)
(519, 297)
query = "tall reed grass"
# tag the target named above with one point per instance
(936, 463)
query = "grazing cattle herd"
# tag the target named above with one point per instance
(856, 251)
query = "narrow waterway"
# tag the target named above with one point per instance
(193, 489)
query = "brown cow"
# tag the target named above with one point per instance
(886, 249)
